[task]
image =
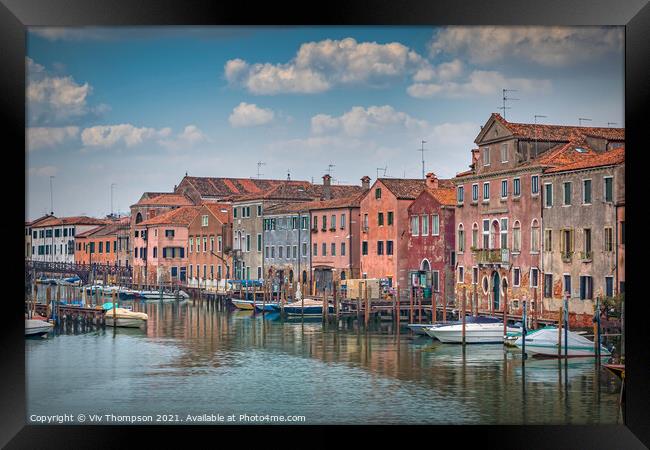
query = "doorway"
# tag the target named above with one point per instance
(496, 290)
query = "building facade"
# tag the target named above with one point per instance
(53, 239)
(431, 244)
(209, 245)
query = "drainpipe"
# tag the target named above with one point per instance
(350, 241)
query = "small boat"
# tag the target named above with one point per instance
(122, 317)
(616, 369)
(419, 328)
(312, 307)
(71, 281)
(428, 329)
(155, 295)
(269, 306)
(35, 327)
(475, 332)
(243, 304)
(511, 337)
(544, 343)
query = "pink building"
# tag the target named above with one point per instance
(160, 246)
(431, 244)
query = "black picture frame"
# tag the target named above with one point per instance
(634, 15)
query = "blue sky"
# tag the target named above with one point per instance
(139, 107)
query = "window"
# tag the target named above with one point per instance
(390, 217)
(211, 272)
(534, 236)
(504, 188)
(548, 285)
(534, 184)
(415, 225)
(205, 244)
(461, 238)
(205, 271)
(459, 194)
(364, 248)
(586, 192)
(609, 286)
(548, 240)
(548, 195)
(516, 187)
(475, 192)
(365, 221)
(380, 219)
(198, 244)
(57, 232)
(288, 252)
(324, 223)
(504, 153)
(333, 249)
(516, 276)
(304, 249)
(378, 193)
(259, 242)
(204, 221)
(486, 191)
(219, 244)
(108, 247)
(248, 242)
(324, 249)
(609, 189)
(504, 233)
(342, 248)
(259, 210)
(461, 275)
(475, 235)
(435, 225)
(65, 232)
(273, 251)
(315, 221)
(586, 287)
(567, 285)
(435, 281)
(101, 247)
(280, 251)
(566, 243)
(486, 233)
(315, 250)
(609, 239)
(267, 252)
(342, 221)
(333, 222)
(389, 247)
(486, 156)
(234, 214)
(191, 271)
(425, 225)
(474, 275)
(380, 247)
(534, 277)
(587, 243)
(567, 193)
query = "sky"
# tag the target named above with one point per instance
(129, 110)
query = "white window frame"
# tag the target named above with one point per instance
(475, 192)
(204, 220)
(460, 237)
(591, 188)
(425, 224)
(504, 153)
(486, 199)
(435, 231)
(415, 223)
(435, 275)
(516, 181)
(564, 185)
(532, 185)
(506, 190)
(460, 279)
(518, 283)
(531, 277)
(486, 156)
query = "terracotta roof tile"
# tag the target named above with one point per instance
(166, 199)
(559, 132)
(568, 158)
(73, 220)
(218, 210)
(445, 196)
(179, 216)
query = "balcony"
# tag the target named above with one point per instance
(586, 256)
(492, 256)
(364, 228)
(314, 229)
(567, 256)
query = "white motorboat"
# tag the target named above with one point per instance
(122, 317)
(475, 333)
(155, 295)
(544, 343)
(34, 327)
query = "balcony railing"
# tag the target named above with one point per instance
(567, 256)
(492, 256)
(586, 256)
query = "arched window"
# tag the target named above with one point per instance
(475, 235)
(138, 218)
(342, 275)
(486, 284)
(534, 236)
(425, 266)
(461, 238)
(516, 237)
(504, 285)
(494, 234)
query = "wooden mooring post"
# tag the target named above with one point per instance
(463, 319)
(336, 302)
(559, 332)
(420, 300)
(410, 304)
(434, 308)
(397, 306)
(505, 313)
(367, 305)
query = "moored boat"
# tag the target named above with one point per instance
(35, 327)
(475, 333)
(544, 343)
(242, 304)
(308, 307)
(122, 317)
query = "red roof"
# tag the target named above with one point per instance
(567, 158)
(217, 209)
(559, 132)
(179, 216)
(165, 199)
(445, 196)
(74, 220)
(410, 188)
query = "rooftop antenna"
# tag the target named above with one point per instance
(580, 119)
(288, 174)
(505, 99)
(112, 186)
(259, 165)
(381, 168)
(51, 197)
(422, 149)
(611, 123)
(537, 116)
(329, 168)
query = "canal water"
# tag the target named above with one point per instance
(205, 359)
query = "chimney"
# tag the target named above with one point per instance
(432, 181)
(475, 155)
(365, 182)
(327, 192)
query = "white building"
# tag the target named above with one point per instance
(53, 238)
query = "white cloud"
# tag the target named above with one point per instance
(124, 134)
(190, 137)
(549, 46)
(319, 66)
(479, 82)
(250, 115)
(45, 171)
(42, 137)
(358, 121)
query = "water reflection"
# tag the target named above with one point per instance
(204, 358)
